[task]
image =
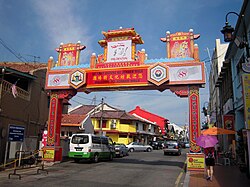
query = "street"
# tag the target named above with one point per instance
(137, 169)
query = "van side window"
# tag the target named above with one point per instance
(96, 140)
(104, 140)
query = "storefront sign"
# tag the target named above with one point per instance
(16, 133)
(228, 121)
(246, 95)
(48, 154)
(195, 162)
(194, 118)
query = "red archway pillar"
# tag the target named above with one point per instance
(194, 118)
(53, 150)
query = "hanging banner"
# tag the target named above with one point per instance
(228, 121)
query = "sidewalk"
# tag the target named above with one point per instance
(228, 176)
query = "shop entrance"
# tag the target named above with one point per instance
(122, 67)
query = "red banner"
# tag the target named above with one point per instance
(52, 120)
(117, 77)
(194, 118)
(228, 121)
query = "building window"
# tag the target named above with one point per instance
(122, 136)
(137, 126)
(104, 123)
(62, 133)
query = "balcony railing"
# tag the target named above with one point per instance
(6, 87)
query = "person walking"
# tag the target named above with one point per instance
(209, 161)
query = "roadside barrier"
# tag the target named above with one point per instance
(25, 160)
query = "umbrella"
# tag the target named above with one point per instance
(217, 131)
(206, 141)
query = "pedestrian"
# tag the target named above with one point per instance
(209, 161)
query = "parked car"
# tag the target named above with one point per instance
(138, 146)
(121, 150)
(172, 147)
(187, 145)
(157, 144)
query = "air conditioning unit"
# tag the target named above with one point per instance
(113, 124)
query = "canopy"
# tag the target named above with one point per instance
(217, 131)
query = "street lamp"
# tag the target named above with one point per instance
(228, 33)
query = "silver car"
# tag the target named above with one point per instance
(138, 146)
(172, 147)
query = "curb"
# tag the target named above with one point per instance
(187, 179)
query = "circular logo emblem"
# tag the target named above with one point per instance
(182, 74)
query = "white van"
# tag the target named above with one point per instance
(90, 146)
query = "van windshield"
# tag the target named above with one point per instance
(80, 139)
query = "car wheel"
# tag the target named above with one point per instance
(149, 149)
(111, 157)
(121, 154)
(96, 158)
(131, 150)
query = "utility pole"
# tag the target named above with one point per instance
(101, 117)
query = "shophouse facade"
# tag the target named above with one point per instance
(119, 125)
(156, 119)
(24, 103)
(237, 56)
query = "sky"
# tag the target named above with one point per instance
(30, 30)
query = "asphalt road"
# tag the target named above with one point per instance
(145, 169)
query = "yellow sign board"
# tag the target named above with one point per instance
(195, 162)
(49, 154)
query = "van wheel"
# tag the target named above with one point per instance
(96, 158)
(111, 157)
(77, 160)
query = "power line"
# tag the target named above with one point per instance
(12, 51)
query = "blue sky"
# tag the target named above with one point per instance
(34, 28)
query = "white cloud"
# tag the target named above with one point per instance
(59, 23)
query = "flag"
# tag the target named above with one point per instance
(14, 90)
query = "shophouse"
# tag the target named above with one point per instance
(238, 57)
(158, 120)
(121, 126)
(24, 105)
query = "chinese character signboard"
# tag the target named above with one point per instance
(119, 51)
(246, 95)
(52, 120)
(117, 77)
(69, 54)
(194, 118)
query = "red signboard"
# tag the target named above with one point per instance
(228, 121)
(194, 119)
(117, 77)
(52, 120)
(180, 47)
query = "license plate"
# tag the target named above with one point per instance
(171, 147)
(78, 148)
